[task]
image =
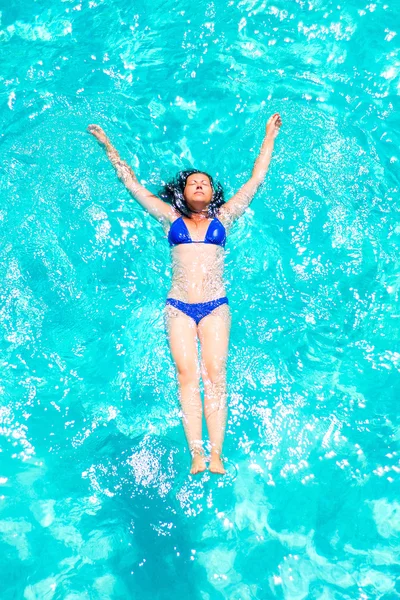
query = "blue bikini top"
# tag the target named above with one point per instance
(179, 233)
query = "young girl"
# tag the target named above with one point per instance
(196, 218)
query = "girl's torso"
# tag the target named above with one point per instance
(197, 251)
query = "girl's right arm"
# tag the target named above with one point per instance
(158, 209)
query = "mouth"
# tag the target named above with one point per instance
(199, 193)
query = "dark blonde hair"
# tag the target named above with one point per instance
(173, 193)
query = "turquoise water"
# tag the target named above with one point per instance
(96, 500)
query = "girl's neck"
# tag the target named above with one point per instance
(199, 216)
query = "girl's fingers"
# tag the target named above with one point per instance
(275, 117)
(95, 128)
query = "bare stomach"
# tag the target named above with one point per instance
(197, 273)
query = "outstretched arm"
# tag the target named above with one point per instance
(159, 209)
(237, 205)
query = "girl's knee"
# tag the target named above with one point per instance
(213, 374)
(188, 376)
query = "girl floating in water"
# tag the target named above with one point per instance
(194, 215)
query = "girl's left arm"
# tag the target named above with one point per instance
(237, 205)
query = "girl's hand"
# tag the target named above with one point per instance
(273, 126)
(98, 133)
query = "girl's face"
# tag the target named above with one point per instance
(198, 192)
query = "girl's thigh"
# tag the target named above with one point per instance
(182, 337)
(214, 333)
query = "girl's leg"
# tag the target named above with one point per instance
(214, 330)
(182, 336)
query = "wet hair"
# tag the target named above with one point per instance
(172, 193)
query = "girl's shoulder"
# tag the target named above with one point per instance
(225, 217)
(173, 215)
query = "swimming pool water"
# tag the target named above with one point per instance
(96, 500)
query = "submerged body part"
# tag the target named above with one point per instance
(197, 308)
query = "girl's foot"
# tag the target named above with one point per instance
(198, 464)
(216, 465)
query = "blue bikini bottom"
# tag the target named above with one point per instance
(197, 310)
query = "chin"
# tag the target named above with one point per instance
(201, 201)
